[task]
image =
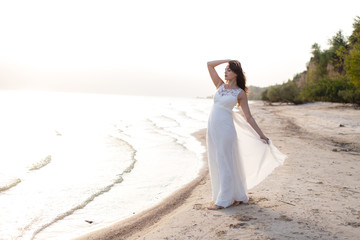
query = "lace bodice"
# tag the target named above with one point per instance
(223, 91)
(226, 97)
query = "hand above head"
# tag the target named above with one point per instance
(217, 62)
(213, 74)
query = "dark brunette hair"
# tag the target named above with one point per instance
(235, 66)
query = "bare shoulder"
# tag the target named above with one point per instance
(242, 95)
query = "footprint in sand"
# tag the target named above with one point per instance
(315, 210)
(237, 225)
(254, 200)
(284, 218)
(220, 233)
(198, 206)
(353, 224)
(244, 218)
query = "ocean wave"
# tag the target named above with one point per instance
(171, 119)
(186, 115)
(41, 164)
(174, 136)
(133, 154)
(119, 178)
(4, 186)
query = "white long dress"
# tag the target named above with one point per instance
(238, 159)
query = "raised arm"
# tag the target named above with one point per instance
(243, 102)
(213, 74)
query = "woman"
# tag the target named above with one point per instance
(240, 155)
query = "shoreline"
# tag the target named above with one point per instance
(148, 217)
(314, 195)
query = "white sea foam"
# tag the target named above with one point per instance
(7, 182)
(41, 163)
(71, 159)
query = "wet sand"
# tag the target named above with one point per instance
(314, 195)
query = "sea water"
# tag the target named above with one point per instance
(72, 162)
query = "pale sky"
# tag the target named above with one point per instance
(160, 47)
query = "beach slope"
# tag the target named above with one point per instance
(314, 195)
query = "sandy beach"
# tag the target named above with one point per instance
(314, 195)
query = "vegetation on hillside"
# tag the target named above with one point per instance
(255, 92)
(332, 74)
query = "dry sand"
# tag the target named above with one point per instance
(314, 195)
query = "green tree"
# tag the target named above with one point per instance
(327, 89)
(273, 93)
(338, 50)
(320, 59)
(350, 95)
(353, 65)
(287, 92)
(264, 96)
(355, 36)
(336, 41)
(316, 52)
(321, 83)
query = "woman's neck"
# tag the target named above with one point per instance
(231, 84)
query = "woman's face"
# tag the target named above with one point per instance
(229, 75)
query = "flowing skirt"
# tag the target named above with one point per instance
(238, 159)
